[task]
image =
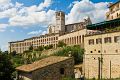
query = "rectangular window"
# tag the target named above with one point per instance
(58, 14)
(117, 39)
(107, 40)
(56, 38)
(91, 42)
(99, 41)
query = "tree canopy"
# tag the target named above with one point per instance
(61, 44)
(6, 67)
(75, 51)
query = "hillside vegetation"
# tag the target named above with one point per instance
(32, 55)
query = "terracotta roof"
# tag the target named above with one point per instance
(78, 66)
(41, 63)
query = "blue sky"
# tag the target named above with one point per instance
(20, 19)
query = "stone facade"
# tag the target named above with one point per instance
(62, 28)
(60, 22)
(43, 40)
(102, 55)
(114, 11)
(73, 38)
(77, 26)
(51, 29)
(56, 68)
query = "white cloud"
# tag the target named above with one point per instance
(32, 8)
(83, 8)
(18, 5)
(45, 4)
(3, 27)
(35, 32)
(20, 15)
(5, 4)
(4, 1)
(44, 32)
(39, 32)
(12, 30)
(43, 18)
(8, 13)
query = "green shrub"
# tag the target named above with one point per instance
(74, 51)
(61, 44)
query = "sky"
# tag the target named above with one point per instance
(20, 19)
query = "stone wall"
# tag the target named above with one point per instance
(74, 38)
(51, 72)
(110, 56)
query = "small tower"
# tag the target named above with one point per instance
(51, 29)
(60, 22)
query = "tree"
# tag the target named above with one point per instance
(5, 52)
(46, 47)
(31, 48)
(0, 50)
(61, 44)
(6, 67)
(27, 51)
(13, 53)
(74, 51)
(50, 46)
(40, 48)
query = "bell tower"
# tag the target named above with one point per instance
(60, 22)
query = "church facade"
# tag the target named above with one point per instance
(56, 33)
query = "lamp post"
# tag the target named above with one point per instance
(100, 63)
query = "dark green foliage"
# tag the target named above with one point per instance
(40, 48)
(48, 47)
(18, 60)
(6, 67)
(74, 51)
(61, 44)
(5, 52)
(31, 48)
(27, 51)
(13, 53)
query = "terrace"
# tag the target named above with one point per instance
(106, 25)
